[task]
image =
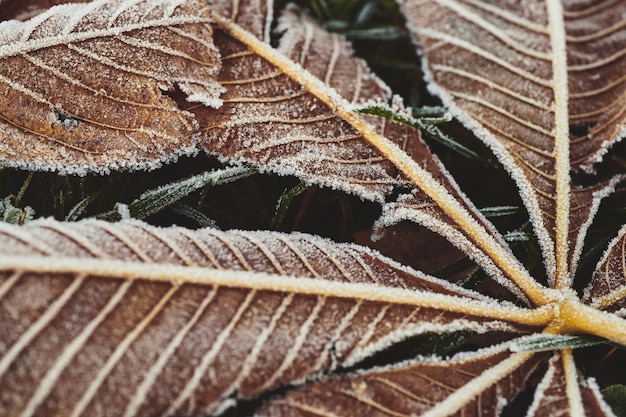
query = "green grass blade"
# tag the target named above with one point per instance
(501, 211)
(388, 33)
(548, 342)
(282, 206)
(193, 214)
(159, 198)
(428, 128)
(80, 207)
(23, 188)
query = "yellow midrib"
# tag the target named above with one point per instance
(561, 140)
(255, 280)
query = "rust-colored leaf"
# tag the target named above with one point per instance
(147, 321)
(607, 289)
(467, 385)
(84, 87)
(276, 122)
(541, 84)
(562, 392)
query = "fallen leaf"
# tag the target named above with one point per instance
(234, 314)
(85, 87)
(169, 321)
(541, 84)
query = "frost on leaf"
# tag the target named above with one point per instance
(607, 290)
(255, 16)
(467, 385)
(149, 321)
(542, 87)
(275, 122)
(85, 87)
(294, 126)
(563, 392)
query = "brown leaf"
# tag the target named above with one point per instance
(420, 209)
(273, 121)
(141, 320)
(595, 56)
(255, 16)
(607, 289)
(521, 77)
(286, 126)
(85, 87)
(465, 385)
(584, 204)
(330, 58)
(562, 392)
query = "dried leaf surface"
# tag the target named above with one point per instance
(271, 120)
(84, 87)
(135, 320)
(596, 58)
(607, 289)
(255, 16)
(142, 321)
(420, 209)
(562, 392)
(466, 385)
(275, 122)
(522, 78)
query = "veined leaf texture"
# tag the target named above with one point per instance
(129, 319)
(542, 88)
(47, 58)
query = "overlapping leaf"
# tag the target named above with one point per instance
(231, 314)
(465, 385)
(607, 289)
(84, 87)
(541, 84)
(137, 320)
(552, 396)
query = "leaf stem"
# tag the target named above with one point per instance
(260, 281)
(561, 140)
(579, 317)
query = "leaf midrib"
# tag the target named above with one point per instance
(179, 275)
(64, 39)
(558, 45)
